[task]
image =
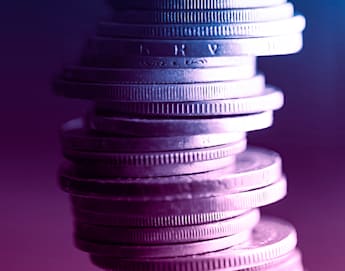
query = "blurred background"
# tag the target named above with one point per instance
(39, 37)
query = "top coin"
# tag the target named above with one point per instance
(192, 4)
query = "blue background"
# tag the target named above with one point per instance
(39, 37)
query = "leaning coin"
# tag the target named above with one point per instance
(118, 61)
(76, 136)
(263, 46)
(141, 127)
(270, 240)
(161, 92)
(217, 16)
(270, 99)
(147, 221)
(162, 250)
(169, 76)
(168, 235)
(231, 202)
(183, 5)
(291, 25)
(253, 169)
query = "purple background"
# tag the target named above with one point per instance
(39, 37)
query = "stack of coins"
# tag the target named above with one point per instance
(158, 170)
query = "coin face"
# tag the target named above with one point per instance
(159, 172)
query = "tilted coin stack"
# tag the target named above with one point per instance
(159, 172)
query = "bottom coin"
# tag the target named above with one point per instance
(270, 240)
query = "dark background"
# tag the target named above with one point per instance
(39, 37)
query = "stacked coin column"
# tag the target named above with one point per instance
(159, 172)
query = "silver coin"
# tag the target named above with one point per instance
(118, 61)
(253, 169)
(177, 127)
(288, 26)
(290, 262)
(76, 136)
(161, 76)
(113, 169)
(160, 251)
(270, 99)
(168, 235)
(170, 220)
(263, 46)
(142, 159)
(243, 15)
(162, 92)
(231, 202)
(182, 4)
(271, 239)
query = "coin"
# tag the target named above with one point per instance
(75, 136)
(287, 26)
(263, 46)
(252, 169)
(270, 240)
(170, 220)
(160, 251)
(113, 169)
(162, 92)
(161, 76)
(218, 16)
(231, 202)
(270, 99)
(142, 127)
(168, 235)
(136, 164)
(182, 4)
